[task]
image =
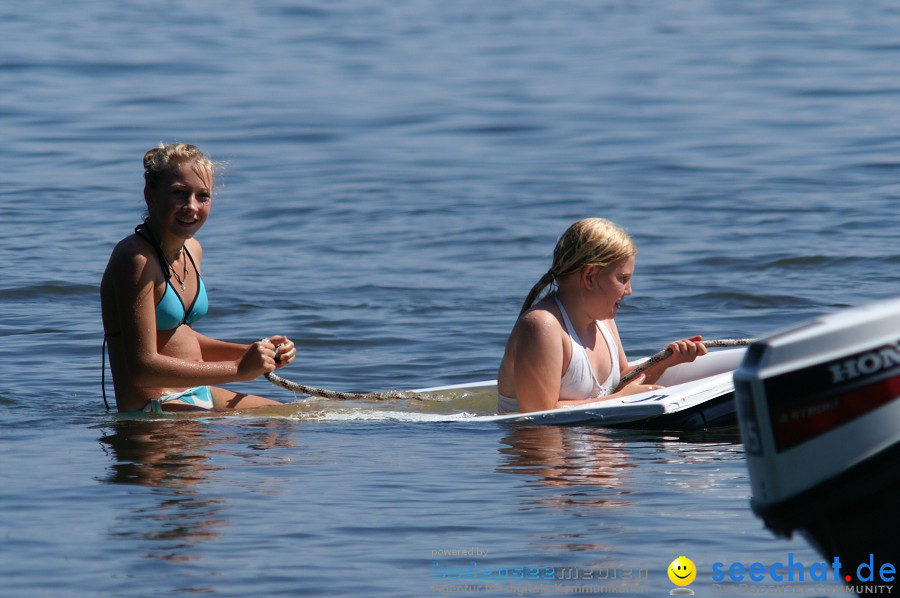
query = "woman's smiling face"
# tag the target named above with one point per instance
(180, 204)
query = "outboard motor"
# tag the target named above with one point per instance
(819, 411)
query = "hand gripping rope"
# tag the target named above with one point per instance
(725, 342)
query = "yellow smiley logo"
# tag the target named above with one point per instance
(682, 571)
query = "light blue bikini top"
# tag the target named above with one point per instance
(170, 311)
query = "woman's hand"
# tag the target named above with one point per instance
(636, 386)
(285, 351)
(259, 359)
(266, 356)
(685, 350)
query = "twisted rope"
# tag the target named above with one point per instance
(407, 394)
(344, 396)
(725, 342)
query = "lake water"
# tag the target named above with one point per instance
(397, 174)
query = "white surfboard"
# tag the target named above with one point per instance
(696, 395)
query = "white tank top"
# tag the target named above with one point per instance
(578, 382)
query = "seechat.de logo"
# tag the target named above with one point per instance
(791, 570)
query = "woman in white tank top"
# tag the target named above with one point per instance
(564, 344)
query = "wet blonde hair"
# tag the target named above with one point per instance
(587, 242)
(162, 157)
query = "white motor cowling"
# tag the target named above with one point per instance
(819, 411)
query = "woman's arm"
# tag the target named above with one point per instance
(537, 361)
(217, 350)
(134, 294)
(213, 349)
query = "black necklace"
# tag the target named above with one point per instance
(145, 227)
(179, 278)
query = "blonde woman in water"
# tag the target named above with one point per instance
(565, 349)
(152, 294)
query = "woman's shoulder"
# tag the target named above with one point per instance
(539, 333)
(542, 318)
(132, 245)
(193, 245)
(131, 253)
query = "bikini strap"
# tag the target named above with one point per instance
(569, 328)
(193, 263)
(143, 231)
(574, 339)
(103, 367)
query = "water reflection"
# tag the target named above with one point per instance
(607, 476)
(169, 454)
(574, 457)
(569, 458)
(158, 453)
(177, 458)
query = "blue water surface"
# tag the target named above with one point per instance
(395, 177)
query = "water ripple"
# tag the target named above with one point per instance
(397, 175)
